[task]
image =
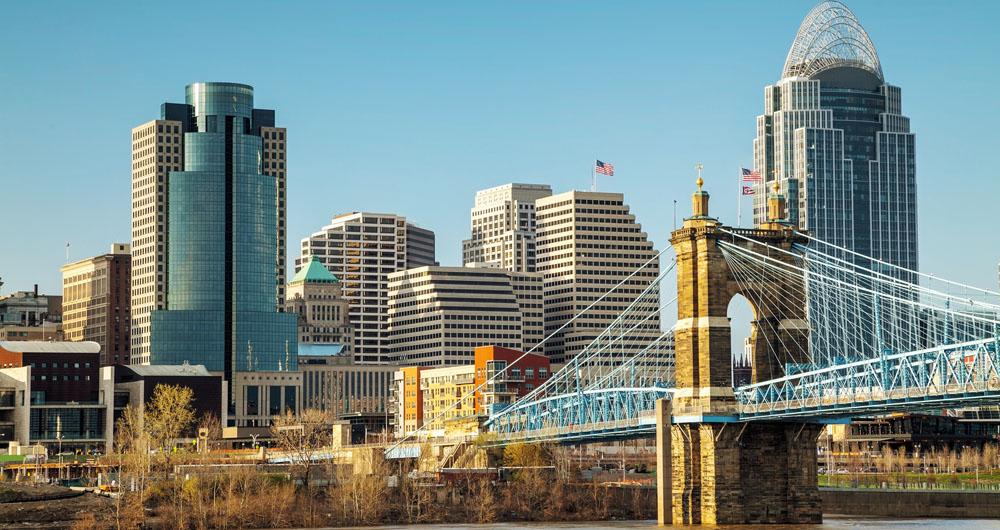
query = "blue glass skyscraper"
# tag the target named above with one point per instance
(834, 138)
(222, 240)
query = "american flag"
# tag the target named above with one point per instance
(751, 175)
(605, 168)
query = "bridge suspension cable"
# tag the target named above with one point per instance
(878, 336)
(607, 337)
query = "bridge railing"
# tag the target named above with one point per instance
(590, 413)
(934, 377)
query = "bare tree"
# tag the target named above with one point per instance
(213, 429)
(132, 453)
(302, 437)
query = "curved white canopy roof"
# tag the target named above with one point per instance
(830, 37)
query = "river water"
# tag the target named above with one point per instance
(829, 523)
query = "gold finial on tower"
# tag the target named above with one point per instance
(699, 201)
(776, 205)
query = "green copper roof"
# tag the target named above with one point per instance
(314, 272)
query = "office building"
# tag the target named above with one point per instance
(160, 147)
(315, 295)
(438, 315)
(221, 305)
(332, 381)
(503, 227)
(30, 309)
(587, 243)
(49, 395)
(43, 331)
(834, 137)
(361, 249)
(135, 386)
(96, 302)
(450, 400)
(435, 395)
(28, 316)
(524, 373)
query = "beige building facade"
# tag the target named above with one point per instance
(587, 243)
(315, 295)
(333, 382)
(96, 302)
(157, 149)
(503, 227)
(362, 249)
(434, 396)
(438, 315)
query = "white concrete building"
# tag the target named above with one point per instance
(438, 315)
(362, 249)
(503, 227)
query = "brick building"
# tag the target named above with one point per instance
(96, 302)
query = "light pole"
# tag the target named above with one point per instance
(59, 437)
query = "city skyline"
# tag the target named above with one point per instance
(636, 96)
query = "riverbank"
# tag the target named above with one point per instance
(31, 506)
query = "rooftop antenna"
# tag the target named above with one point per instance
(249, 356)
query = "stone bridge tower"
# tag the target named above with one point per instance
(725, 471)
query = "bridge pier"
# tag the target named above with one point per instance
(664, 464)
(725, 471)
(745, 473)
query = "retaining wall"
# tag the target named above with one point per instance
(903, 503)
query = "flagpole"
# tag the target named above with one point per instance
(593, 177)
(739, 199)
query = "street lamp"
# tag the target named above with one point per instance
(59, 437)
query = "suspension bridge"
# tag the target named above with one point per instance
(834, 335)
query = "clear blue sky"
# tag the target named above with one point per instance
(411, 107)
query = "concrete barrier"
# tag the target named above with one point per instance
(909, 503)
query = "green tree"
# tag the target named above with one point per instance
(169, 414)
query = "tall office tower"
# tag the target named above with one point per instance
(439, 315)
(503, 227)
(96, 302)
(221, 245)
(362, 249)
(324, 315)
(158, 148)
(834, 137)
(588, 242)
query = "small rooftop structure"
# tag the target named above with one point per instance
(308, 349)
(38, 346)
(177, 370)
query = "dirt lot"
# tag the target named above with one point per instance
(45, 506)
